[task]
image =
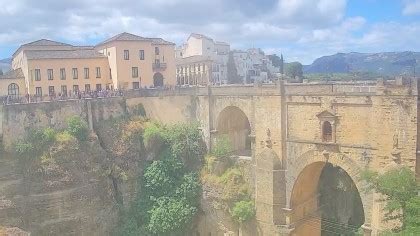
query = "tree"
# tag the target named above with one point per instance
(398, 185)
(1, 72)
(294, 69)
(232, 72)
(243, 211)
(282, 64)
(275, 60)
(170, 189)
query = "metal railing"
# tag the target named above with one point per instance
(9, 100)
(162, 66)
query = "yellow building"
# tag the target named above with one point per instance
(125, 61)
(12, 84)
(138, 62)
(51, 68)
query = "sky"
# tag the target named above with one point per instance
(302, 30)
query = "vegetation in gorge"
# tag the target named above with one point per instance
(45, 152)
(222, 174)
(402, 202)
(169, 188)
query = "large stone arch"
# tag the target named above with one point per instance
(234, 123)
(245, 104)
(313, 162)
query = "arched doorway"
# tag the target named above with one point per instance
(158, 80)
(325, 201)
(234, 124)
(13, 90)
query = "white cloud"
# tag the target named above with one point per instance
(301, 29)
(411, 7)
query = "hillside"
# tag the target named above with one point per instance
(385, 63)
(5, 64)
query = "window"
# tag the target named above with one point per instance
(136, 85)
(38, 91)
(37, 75)
(86, 70)
(87, 87)
(126, 55)
(135, 72)
(75, 88)
(141, 52)
(51, 90)
(157, 61)
(326, 131)
(98, 87)
(62, 74)
(13, 90)
(110, 74)
(75, 73)
(98, 72)
(50, 74)
(64, 90)
(156, 50)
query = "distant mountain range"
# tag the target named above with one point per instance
(5, 64)
(384, 63)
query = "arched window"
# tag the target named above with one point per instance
(158, 80)
(13, 90)
(326, 131)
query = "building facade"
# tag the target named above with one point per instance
(136, 61)
(202, 54)
(253, 65)
(125, 61)
(12, 84)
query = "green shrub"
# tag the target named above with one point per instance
(170, 216)
(78, 128)
(154, 131)
(48, 135)
(222, 147)
(139, 110)
(243, 211)
(23, 148)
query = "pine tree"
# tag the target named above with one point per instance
(281, 64)
(232, 72)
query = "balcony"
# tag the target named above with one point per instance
(159, 66)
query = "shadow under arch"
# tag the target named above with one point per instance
(325, 199)
(233, 123)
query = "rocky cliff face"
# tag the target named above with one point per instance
(74, 188)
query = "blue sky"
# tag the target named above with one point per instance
(302, 30)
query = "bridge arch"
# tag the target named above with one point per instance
(308, 182)
(233, 123)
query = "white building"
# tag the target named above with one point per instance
(253, 65)
(205, 47)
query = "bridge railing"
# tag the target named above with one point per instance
(330, 88)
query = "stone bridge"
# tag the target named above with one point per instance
(292, 132)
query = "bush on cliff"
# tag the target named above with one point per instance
(222, 147)
(170, 188)
(78, 128)
(243, 211)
